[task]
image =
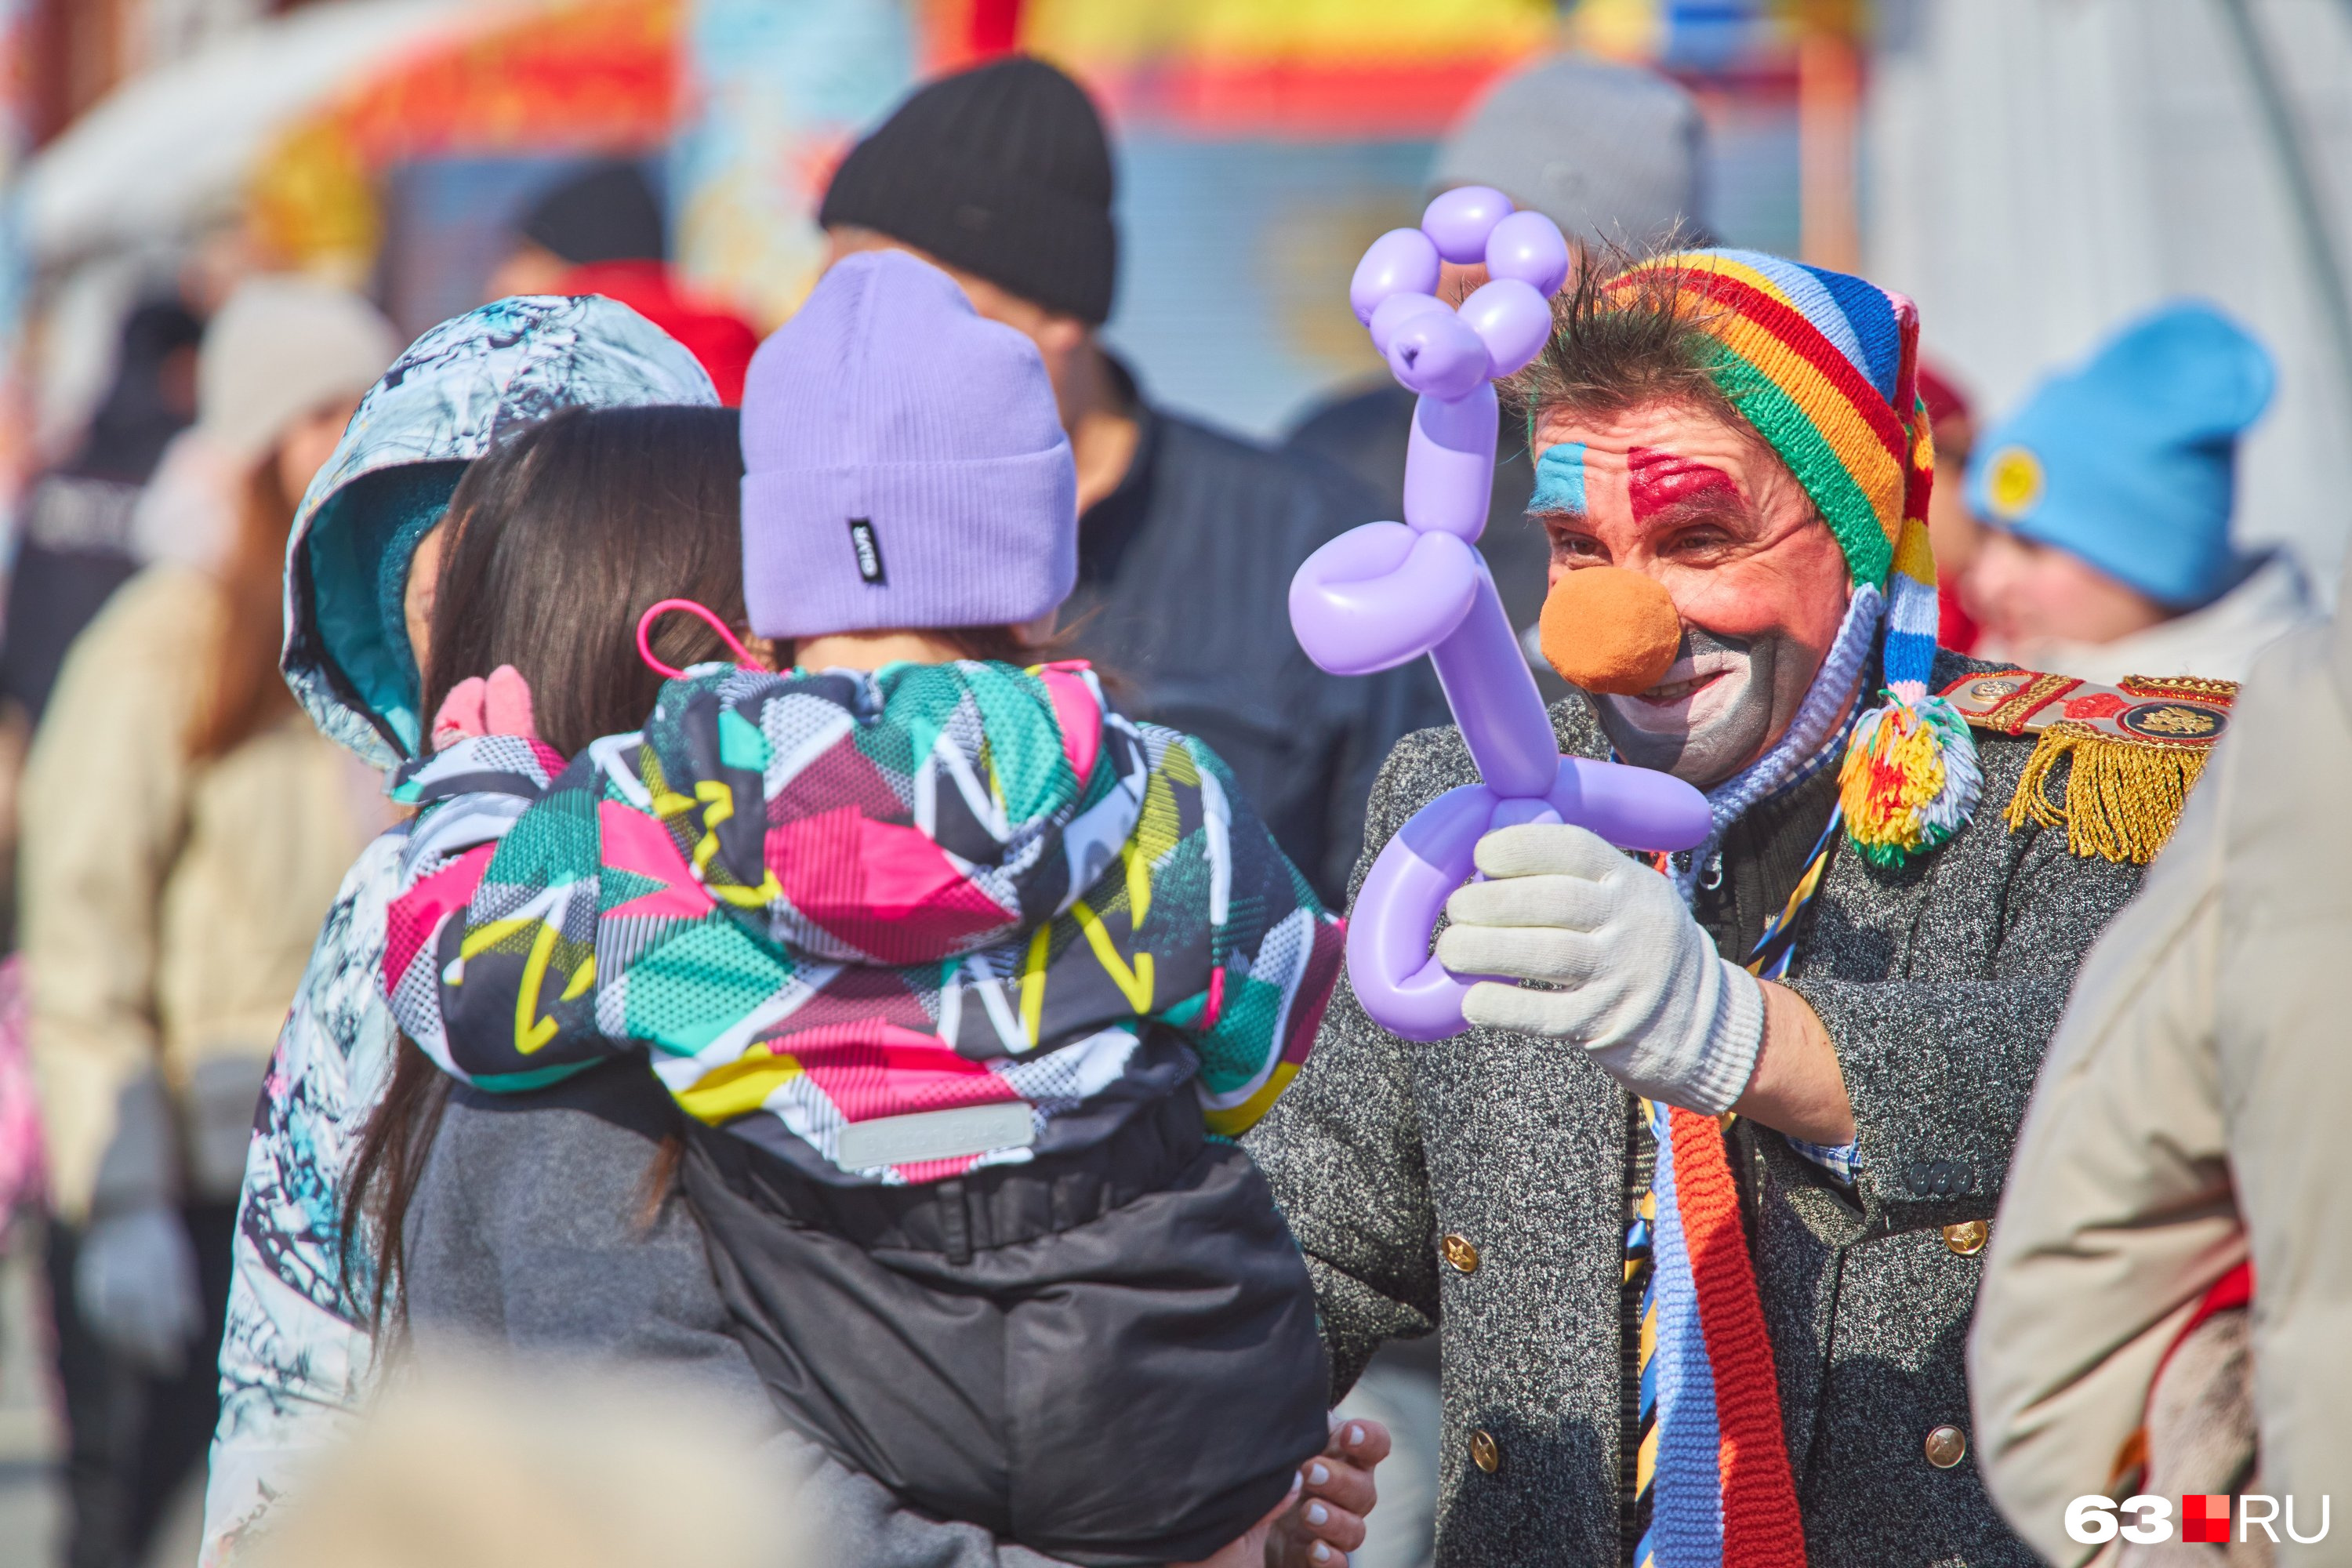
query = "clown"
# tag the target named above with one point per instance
(1695, 1202)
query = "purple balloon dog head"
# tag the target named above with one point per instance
(1387, 593)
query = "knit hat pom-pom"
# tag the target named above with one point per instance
(1910, 778)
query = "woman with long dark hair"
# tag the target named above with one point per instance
(557, 543)
(360, 568)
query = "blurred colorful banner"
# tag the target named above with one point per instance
(1322, 69)
(780, 91)
(747, 102)
(1262, 142)
(566, 78)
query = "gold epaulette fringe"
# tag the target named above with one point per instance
(2133, 751)
(2122, 798)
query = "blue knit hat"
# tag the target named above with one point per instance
(2130, 462)
(904, 463)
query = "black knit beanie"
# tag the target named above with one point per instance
(608, 213)
(1002, 171)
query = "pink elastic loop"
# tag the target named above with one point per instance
(654, 613)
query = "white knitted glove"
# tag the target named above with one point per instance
(135, 1281)
(1640, 985)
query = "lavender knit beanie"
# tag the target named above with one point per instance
(904, 463)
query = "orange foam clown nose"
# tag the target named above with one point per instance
(1609, 630)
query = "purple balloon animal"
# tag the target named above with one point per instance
(1389, 591)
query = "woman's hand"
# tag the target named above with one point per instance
(1250, 1551)
(1322, 1519)
(1327, 1522)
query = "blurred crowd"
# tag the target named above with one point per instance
(287, 554)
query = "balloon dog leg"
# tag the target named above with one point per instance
(1405, 990)
(1494, 698)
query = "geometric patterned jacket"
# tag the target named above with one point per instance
(889, 926)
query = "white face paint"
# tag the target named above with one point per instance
(1708, 715)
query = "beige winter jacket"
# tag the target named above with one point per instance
(168, 908)
(2195, 1103)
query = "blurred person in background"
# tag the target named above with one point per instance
(1613, 154)
(76, 542)
(601, 231)
(76, 548)
(296, 1356)
(2165, 1292)
(478, 1463)
(1188, 536)
(2108, 501)
(190, 511)
(1952, 529)
(190, 508)
(159, 953)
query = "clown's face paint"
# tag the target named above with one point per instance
(1706, 509)
(1708, 718)
(1560, 481)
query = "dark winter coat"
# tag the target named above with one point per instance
(573, 1261)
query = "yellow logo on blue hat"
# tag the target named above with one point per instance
(2014, 482)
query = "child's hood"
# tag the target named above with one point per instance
(909, 816)
(444, 403)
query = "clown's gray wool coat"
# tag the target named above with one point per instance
(1940, 983)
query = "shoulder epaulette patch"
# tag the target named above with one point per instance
(2136, 747)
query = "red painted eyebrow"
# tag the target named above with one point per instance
(1657, 481)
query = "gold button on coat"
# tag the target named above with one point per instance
(1966, 1238)
(1485, 1452)
(1458, 1252)
(1947, 1447)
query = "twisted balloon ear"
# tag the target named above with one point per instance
(1512, 320)
(1401, 261)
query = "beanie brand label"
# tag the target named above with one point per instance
(869, 550)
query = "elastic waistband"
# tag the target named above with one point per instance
(996, 1205)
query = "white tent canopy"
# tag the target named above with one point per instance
(166, 148)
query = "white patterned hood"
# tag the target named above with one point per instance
(445, 402)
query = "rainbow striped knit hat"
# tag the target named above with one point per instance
(1823, 366)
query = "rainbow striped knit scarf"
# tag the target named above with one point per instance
(1724, 1495)
(1823, 366)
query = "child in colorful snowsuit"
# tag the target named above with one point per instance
(963, 981)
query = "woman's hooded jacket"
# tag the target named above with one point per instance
(296, 1354)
